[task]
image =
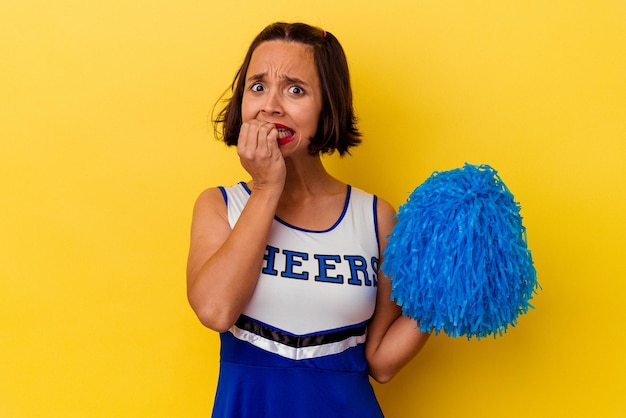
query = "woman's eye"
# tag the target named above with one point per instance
(295, 90)
(256, 87)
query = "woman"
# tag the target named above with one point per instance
(285, 266)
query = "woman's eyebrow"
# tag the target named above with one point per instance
(295, 80)
(257, 77)
(291, 79)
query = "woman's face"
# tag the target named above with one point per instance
(282, 87)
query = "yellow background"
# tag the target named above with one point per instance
(105, 145)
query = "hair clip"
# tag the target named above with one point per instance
(324, 34)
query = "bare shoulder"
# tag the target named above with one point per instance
(209, 211)
(209, 227)
(210, 198)
(386, 216)
(384, 208)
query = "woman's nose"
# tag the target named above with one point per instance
(272, 104)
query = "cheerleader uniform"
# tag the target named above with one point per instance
(298, 349)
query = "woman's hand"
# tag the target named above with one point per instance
(260, 155)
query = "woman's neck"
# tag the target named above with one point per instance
(309, 177)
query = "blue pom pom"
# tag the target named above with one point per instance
(458, 256)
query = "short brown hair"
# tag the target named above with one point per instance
(336, 130)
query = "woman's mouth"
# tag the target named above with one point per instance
(285, 134)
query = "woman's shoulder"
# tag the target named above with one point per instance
(210, 200)
(220, 193)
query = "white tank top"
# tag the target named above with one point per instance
(314, 281)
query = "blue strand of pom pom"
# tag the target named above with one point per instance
(458, 256)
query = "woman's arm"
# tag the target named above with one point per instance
(223, 264)
(392, 339)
